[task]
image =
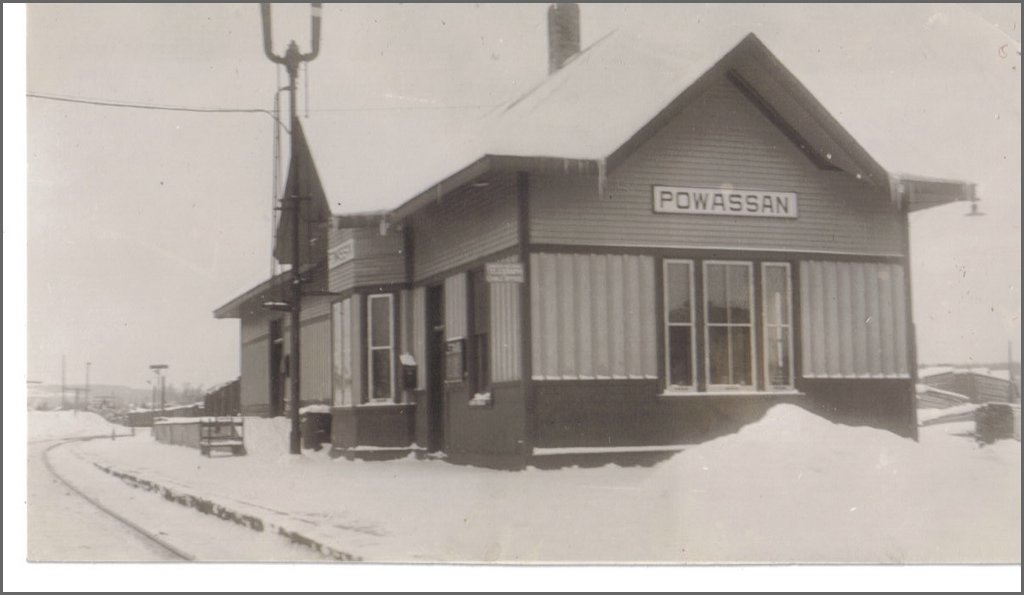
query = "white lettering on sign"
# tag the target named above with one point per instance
(504, 272)
(341, 253)
(722, 201)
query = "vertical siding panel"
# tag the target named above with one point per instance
(566, 317)
(617, 315)
(832, 320)
(357, 348)
(583, 317)
(860, 324)
(255, 373)
(885, 304)
(648, 323)
(455, 306)
(874, 336)
(600, 315)
(900, 319)
(807, 335)
(819, 308)
(845, 294)
(537, 316)
(505, 330)
(634, 345)
(419, 335)
(550, 307)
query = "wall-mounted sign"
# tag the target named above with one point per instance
(504, 272)
(341, 253)
(723, 201)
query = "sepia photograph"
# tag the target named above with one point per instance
(512, 286)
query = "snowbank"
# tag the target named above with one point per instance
(267, 437)
(794, 487)
(52, 425)
(315, 409)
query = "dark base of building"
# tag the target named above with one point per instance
(593, 423)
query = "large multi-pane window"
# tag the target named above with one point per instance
(380, 347)
(777, 314)
(728, 324)
(680, 340)
(723, 321)
(341, 323)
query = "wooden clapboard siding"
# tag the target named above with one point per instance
(466, 225)
(315, 361)
(593, 316)
(506, 364)
(455, 314)
(853, 322)
(356, 322)
(720, 139)
(379, 259)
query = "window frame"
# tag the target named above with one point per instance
(765, 326)
(475, 303)
(751, 325)
(370, 348)
(668, 324)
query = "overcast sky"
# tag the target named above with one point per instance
(141, 222)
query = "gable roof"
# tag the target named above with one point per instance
(585, 118)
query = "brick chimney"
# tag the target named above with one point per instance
(563, 34)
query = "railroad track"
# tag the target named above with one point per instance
(174, 551)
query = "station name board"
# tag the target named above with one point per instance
(721, 201)
(505, 272)
(341, 253)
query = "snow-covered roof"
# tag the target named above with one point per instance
(592, 107)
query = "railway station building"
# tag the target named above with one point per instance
(648, 248)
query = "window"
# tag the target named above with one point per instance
(728, 324)
(680, 341)
(380, 360)
(341, 381)
(480, 327)
(777, 314)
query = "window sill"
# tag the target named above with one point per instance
(382, 404)
(731, 393)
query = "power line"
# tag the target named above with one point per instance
(226, 110)
(172, 108)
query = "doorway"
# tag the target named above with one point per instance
(276, 369)
(435, 368)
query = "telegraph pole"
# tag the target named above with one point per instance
(63, 384)
(292, 60)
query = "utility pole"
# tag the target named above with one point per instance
(291, 60)
(87, 365)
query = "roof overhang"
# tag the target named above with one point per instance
(273, 289)
(916, 193)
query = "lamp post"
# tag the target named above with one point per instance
(291, 60)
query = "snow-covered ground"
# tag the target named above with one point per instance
(789, 488)
(53, 425)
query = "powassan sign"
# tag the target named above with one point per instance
(724, 201)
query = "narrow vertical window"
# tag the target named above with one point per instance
(728, 324)
(380, 360)
(777, 314)
(341, 322)
(680, 348)
(480, 332)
